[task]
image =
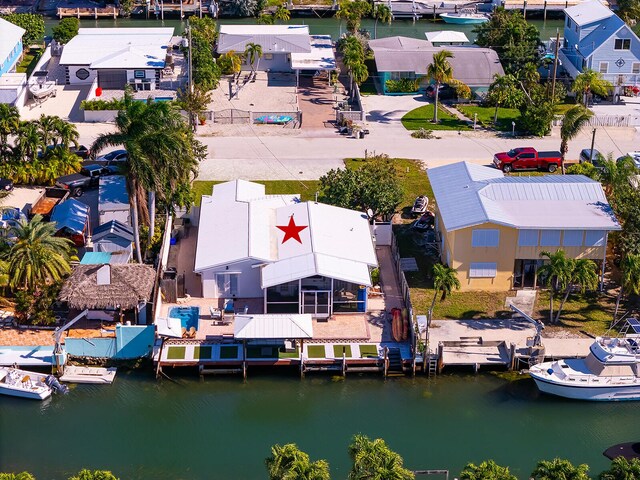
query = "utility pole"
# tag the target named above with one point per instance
(593, 141)
(190, 58)
(555, 66)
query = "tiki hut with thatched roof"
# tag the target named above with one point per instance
(108, 287)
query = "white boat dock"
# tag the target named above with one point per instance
(27, 356)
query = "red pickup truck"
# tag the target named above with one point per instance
(526, 158)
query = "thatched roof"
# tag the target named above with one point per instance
(129, 285)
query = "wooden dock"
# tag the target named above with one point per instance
(109, 11)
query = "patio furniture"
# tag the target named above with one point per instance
(228, 306)
(216, 313)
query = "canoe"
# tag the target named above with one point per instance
(396, 324)
(405, 324)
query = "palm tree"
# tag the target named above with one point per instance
(360, 73)
(583, 274)
(373, 459)
(64, 160)
(265, 19)
(559, 468)
(445, 279)
(288, 462)
(555, 274)
(382, 13)
(37, 257)
(589, 83)
(574, 119)
(46, 124)
(487, 470)
(440, 71)
(622, 469)
(163, 157)
(630, 282)
(282, 13)
(28, 141)
(65, 133)
(253, 52)
(9, 122)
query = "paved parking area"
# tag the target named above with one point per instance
(316, 99)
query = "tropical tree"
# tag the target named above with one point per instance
(60, 161)
(282, 13)
(487, 470)
(382, 13)
(352, 11)
(265, 19)
(9, 122)
(66, 29)
(359, 73)
(230, 62)
(572, 122)
(163, 158)
(555, 273)
(37, 258)
(560, 469)
(445, 280)
(33, 24)
(288, 462)
(64, 133)
(439, 71)
(504, 91)
(195, 103)
(630, 281)
(85, 474)
(589, 83)
(28, 141)
(622, 469)
(46, 125)
(374, 460)
(629, 11)
(253, 52)
(17, 476)
(583, 274)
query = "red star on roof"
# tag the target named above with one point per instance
(291, 230)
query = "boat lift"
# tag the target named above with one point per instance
(536, 348)
(59, 354)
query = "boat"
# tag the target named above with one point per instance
(424, 223)
(464, 18)
(94, 375)
(21, 383)
(628, 450)
(40, 86)
(611, 371)
(420, 205)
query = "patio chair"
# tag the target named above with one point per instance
(228, 306)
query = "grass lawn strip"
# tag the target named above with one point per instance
(295, 354)
(307, 188)
(486, 115)
(337, 351)
(367, 351)
(316, 351)
(176, 353)
(228, 352)
(591, 312)
(202, 352)
(421, 118)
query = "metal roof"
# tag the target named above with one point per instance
(468, 195)
(272, 38)
(321, 56)
(588, 12)
(96, 258)
(71, 214)
(10, 35)
(472, 65)
(273, 327)
(115, 228)
(446, 36)
(118, 47)
(112, 193)
(606, 29)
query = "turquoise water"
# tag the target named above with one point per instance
(188, 316)
(222, 428)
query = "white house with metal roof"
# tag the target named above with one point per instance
(299, 257)
(493, 228)
(596, 38)
(117, 57)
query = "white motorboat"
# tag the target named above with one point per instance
(611, 371)
(464, 18)
(95, 375)
(40, 86)
(21, 383)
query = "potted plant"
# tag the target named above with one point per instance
(202, 119)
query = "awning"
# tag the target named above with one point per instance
(169, 327)
(273, 327)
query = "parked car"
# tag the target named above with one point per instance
(51, 197)
(420, 205)
(88, 177)
(80, 150)
(597, 158)
(6, 184)
(445, 92)
(527, 158)
(635, 156)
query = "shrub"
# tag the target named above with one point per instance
(66, 29)
(32, 23)
(403, 85)
(423, 133)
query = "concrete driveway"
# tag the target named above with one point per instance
(384, 112)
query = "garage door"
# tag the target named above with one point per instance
(112, 79)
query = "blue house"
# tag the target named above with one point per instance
(596, 38)
(10, 45)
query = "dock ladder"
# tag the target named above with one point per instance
(432, 365)
(395, 362)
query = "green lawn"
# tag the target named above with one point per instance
(486, 115)
(337, 351)
(367, 351)
(176, 353)
(29, 61)
(591, 312)
(316, 351)
(306, 188)
(421, 118)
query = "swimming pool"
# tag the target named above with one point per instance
(188, 316)
(155, 99)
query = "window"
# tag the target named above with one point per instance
(227, 284)
(622, 44)
(82, 73)
(268, 56)
(550, 238)
(485, 238)
(604, 67)
(572, 238)
(594, 238)
(568, 22)
(528, 238)
(138, 74)
(483, 270)
(635, 67)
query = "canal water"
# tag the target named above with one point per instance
(222, 428)
(320, 26)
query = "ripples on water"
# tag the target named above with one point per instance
(221, 428)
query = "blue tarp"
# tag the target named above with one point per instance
(96, 258)
(72, 215)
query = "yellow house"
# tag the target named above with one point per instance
(493, 228)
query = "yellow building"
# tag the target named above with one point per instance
(493, 228)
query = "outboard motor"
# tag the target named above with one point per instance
(53, 383)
